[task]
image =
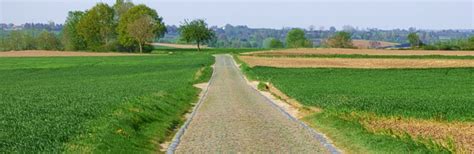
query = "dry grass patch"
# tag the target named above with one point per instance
(321, 51)
(365, 44)
(354, 63)
(43, 53)
(458, 137)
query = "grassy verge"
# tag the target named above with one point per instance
(442, 96)
(369, 56)
(95, 104)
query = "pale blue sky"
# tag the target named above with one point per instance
(384, 14)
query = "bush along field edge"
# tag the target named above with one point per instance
(352, 132)
(146, 125)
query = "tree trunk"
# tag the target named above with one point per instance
(141, 48)
(199, 48)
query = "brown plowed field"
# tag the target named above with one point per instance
(42, 53)
(354, 63)
(362, 52)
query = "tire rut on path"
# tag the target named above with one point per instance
(234, 118)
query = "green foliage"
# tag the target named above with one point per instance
(414, 40)
(30, 40)
(296, 39)
(71, 39)
(121, 7)
(97, 27)
(340, 40)
(48, 41)
(462, 44)
(196, 31)
(444, 94)
(133, 14)
(94, 104)
(272, 43)
(142, 30)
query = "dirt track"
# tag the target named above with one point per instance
(235, 118)
(180, 46)
(362, 52)
(354, 63)
(42, 53)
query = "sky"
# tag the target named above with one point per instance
(382, 14)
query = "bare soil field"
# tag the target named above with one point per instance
(364, 44)
(362, 52)
(180, 46)
(43, 53)
(354, 63)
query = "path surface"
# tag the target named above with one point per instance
(235, 118)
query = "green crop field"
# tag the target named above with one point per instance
(434, 94)
(446, 94)
(112, 104)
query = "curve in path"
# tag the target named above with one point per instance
(233, 117)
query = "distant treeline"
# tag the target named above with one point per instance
(51, 26)
(30, 39)
(244, 37)
(82, 31)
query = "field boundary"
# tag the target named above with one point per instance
(366, 63)
(44, 53)
(177, 137)
(317, 135)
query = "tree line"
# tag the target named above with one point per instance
(456, 44)
(123, 26)
(230, 36)
(30, 40)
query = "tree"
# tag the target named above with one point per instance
(272, 43)
(121, 7)
(70, 37)
(340, 40)
(133, 14)
(196, 31)
(414, 40)
(470, 43)
(97, 26)
(296, 39)
(48, 41)
(143, 30)
(16, 40)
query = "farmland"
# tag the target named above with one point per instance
(334, 51)
(381, 110)
(93, 104)
(286, 62)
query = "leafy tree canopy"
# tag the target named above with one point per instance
(414, 40)
(133, 14)
(340, 40)
(196, 31)
(70, 37)
(97, 26)
(296, 39)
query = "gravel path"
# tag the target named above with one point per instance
(235, 118)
